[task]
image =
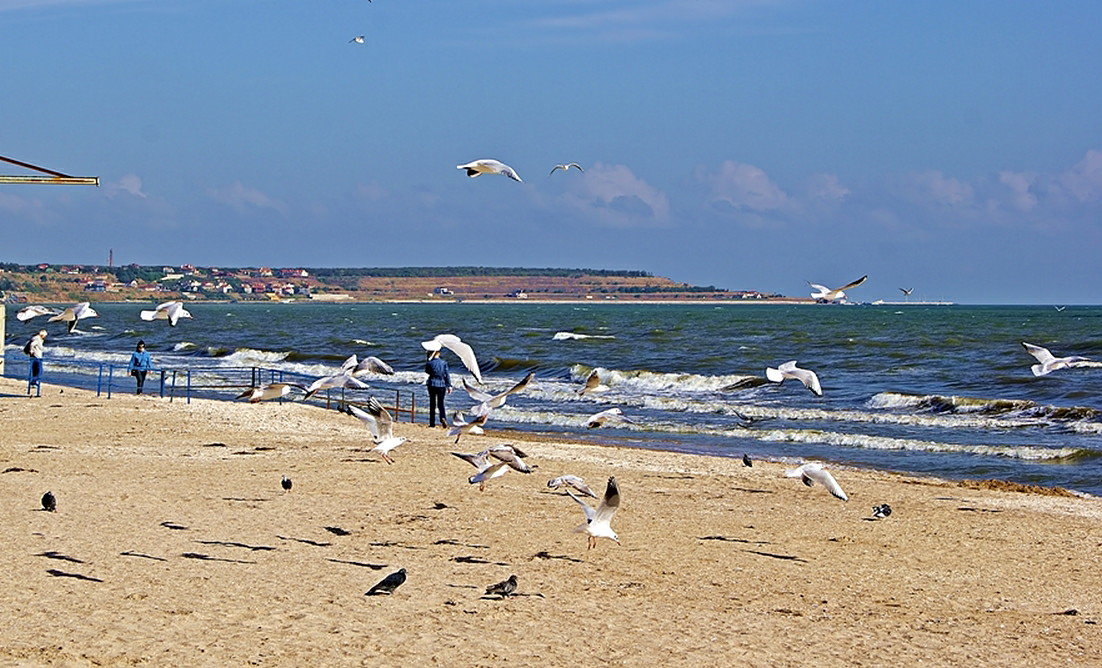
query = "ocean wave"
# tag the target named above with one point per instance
(962, 405)
(658, 381)
(183, 345)
(253, 357)
(573, 336)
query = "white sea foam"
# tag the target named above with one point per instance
(569, 336)
(183, 345)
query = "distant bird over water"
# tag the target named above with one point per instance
(906, 292)
(74, 313)
(49, 503)
(387, 585)
(479, 167)
(359, 39)
(566, 167)
(170, 311)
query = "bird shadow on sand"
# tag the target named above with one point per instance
(387, 543)
(60, 557)
(18, 469)
(174, 526)
(978, 510)
(76, 576)
(245, 546)
(142, 556)
(241, 498)
(748, 490)
(338, 531)
(207, 557)
(544, 554)
(451, 541)
(307, 541)
(468, 559)
(361, 564)
(783, 557)
(728, 539)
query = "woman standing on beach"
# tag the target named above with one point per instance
(439, 384)
(35, 348)
(140, 365)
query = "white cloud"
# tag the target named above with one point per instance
(129, 183)
(932, 188)
(827, 188)
(1022, 196)
(1084, 180)
(744, 187)
(242, 198)
(614, 195)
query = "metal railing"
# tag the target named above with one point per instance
(213, 382)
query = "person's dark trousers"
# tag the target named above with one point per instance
(436, 404)
(35, 376)
(140, 376)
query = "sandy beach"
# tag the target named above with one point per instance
(174, 543)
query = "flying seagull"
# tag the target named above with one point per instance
(511, 455)
(489, 167)
(456, 345)
(592, 384)
(486, 469)
(388, 584)
(170, 311)
(789, 370)
(359, 39)
(366, 365)
(906, 292)
(286, 483)
(813, 472)
(1050, 363)
(496, 400)
(461, 426)
(598, 522)
(599, 419)
(825, 294)
(269, 391)
(378, 420)
(566, 167)
(49, 503)
(503, 588)
(74, 313)
(28, 312)
(572, 481)
(341, 379)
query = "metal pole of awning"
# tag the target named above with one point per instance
(54, 178)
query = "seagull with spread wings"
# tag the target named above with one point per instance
(824, 294)
(592, 384)
(496, 400)
(813, 472)
(456, 345)
(269, 391)
(598, 522)
(342, 379)
(1050, 363)
(573, 481)
(600, 419)
(566, 167)
(789, 370)
(479, 167)
(377, 419)
(358, 367)
(74, 313)
(28, 312)
(170, 311)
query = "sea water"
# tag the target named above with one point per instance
(942, 390)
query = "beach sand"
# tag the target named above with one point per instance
(173, 543)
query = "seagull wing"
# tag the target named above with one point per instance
(476, 394)
(854, 284)
(463, 351)
(382, 418)
(369, 421)
(823, 477)
(479, 460)
(350, 364)
(808, 378)
(609, 504)
(554, 168)
(1042, 354)
(576, 166)
(373, 365)
(511, 173)
(590, 513)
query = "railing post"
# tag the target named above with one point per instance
(110, 378)
(189, 386)
(99, 380)
(413, 407)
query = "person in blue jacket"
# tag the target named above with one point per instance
(439, 384)
(140, 364)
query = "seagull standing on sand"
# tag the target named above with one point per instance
(566, 167)
(28, 312)
(456, 345)
(74, 313)
(479, 167)
(1050, 363)
(170, 311)
(599, 419)
(825, 294)
(598, 522)
(789, 370)
(269, 391)
(813, 472)
(572, 481)
(378, 420)
(387, 585)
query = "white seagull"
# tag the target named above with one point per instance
(1050, 363)
(511, 455)
(825, 294)
(566, 167)
(359, 39)
(378, 420)
(496, 400)
(598, 522)
(592, 384)
(599, 419)
(170, 311)
(789, 370)
(74, 313)
(486, 469)
(28, 312)
(489, 167)
(572, 481)
(365, 366)
(460, 426)
(813, 472)
(342, 379)
(906, 292)
(269, 391)
(462, 350)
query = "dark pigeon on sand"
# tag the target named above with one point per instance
(503, 588)
(49, 503)
(746, 461)
(388, 584)
(286, 483)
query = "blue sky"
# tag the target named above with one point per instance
(952, 147)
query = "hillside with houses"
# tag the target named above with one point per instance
(60, 283)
